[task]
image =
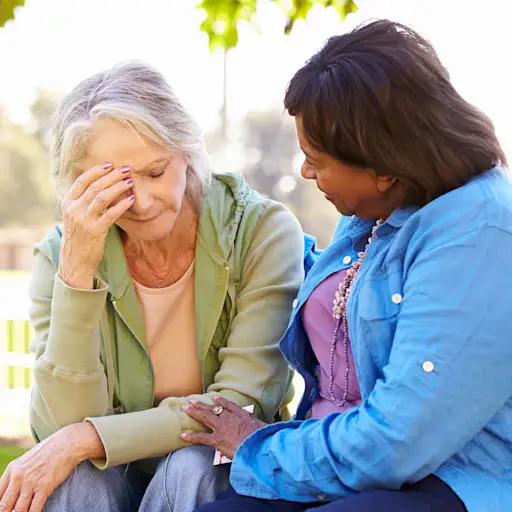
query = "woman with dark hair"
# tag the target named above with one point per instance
(401, 330)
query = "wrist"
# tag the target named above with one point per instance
(79, 279)
(86, 441)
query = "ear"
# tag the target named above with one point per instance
(384, 183)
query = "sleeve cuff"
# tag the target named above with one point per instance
(138, 435)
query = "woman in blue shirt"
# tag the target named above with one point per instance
(402, 329)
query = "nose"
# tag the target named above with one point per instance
(143, 199)
(307, 172)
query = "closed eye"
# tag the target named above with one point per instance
(158, 173)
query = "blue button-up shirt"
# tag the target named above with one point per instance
(430, 323)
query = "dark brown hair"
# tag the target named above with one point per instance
(379, 98)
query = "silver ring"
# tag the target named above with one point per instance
(217, 410)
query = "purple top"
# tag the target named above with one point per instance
(319, 325)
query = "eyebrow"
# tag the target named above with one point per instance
(152, 164)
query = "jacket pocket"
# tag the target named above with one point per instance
(379, 304)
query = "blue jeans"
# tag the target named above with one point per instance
(183, 481)
(428, 495)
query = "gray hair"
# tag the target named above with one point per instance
(136, 95)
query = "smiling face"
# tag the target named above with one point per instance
(159, 178)
(352, 190)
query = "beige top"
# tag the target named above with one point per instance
(169, 316)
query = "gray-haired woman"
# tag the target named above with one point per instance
(165, 284)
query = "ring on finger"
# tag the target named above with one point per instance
(217, 410)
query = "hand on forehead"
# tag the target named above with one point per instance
(121, 145)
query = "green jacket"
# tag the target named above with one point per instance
(248, 269)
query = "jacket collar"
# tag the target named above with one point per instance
(221, 213)
(113, 269)
(397, 219)
(222, 208)
(400, 216)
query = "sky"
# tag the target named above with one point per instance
(56, 43)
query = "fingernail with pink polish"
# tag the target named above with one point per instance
(125, 169)
(128, 180)
(185, 407)
(106, 165)
(193, 402)
(131, 198)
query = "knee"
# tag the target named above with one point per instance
(194, 461)
(190, 479)
(89, 485)
(88, 476)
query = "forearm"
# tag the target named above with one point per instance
(59, 399)
(75, 273)
(73, 342)
(70, 381)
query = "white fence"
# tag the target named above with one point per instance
(16, 362)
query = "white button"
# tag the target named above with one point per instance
(347, 260)
(295, 302)
(428, 366)
(321, 497)
(396, 298)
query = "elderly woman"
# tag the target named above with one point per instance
(402, 327)
(165, 284)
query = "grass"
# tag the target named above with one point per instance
(8, 453)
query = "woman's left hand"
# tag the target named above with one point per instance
(230, 428)
(31, 479)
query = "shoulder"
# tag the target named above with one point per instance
(233, 209)
(49, 246)
(45, 264)
(483, 204)
(230, 190)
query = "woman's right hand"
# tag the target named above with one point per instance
(93, 204)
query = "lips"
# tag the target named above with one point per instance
(328, 196)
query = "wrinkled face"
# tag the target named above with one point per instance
(159, 178)
(352, 190)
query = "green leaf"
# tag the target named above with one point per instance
(223, 16)
(300, 9)
(7, 9)
(344, 7)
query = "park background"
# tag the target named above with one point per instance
(229, 62)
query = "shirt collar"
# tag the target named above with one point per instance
(400, 216)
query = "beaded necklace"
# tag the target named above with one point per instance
(339, 313)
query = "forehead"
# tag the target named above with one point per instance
(114, 142)
(300, 129)
(303, 141)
